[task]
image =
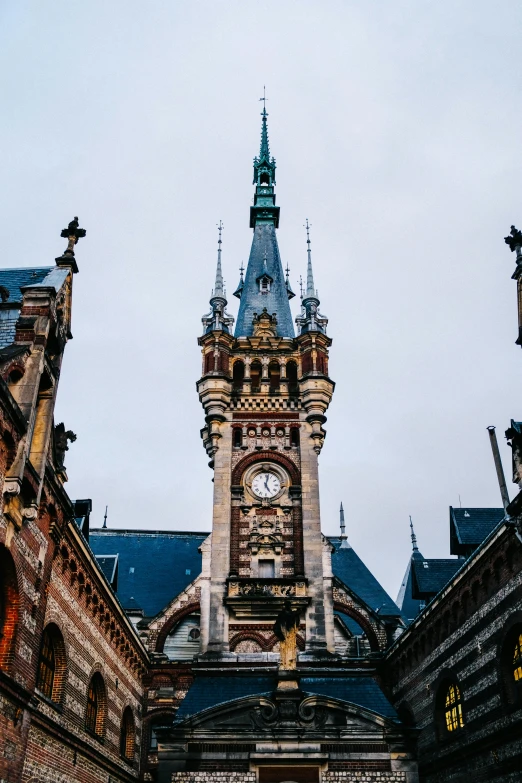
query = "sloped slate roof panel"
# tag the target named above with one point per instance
(16, 279)
(432, 575)
(154, 567)
(473, 525)
(409, 606)
(207, 692)
(350, 569)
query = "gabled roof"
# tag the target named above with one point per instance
(14, 281)
(350, 569)
(207, 692)
(469, 527)
(430, 576)
(153, 565)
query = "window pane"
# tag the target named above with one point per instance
(46, 667)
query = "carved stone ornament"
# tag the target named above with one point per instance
(266, 536)
(62, 437)
(265, 324)
(11, 486)
(514, 239)
(30, 512)
(289, 712)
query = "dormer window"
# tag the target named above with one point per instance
(264, 284)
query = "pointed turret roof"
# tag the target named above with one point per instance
(264, 285)
(310, 319)
(218, 318)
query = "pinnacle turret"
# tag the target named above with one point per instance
(310, 319)
(218, 318)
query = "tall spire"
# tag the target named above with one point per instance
(218, 287)
(218, 318)
(310, 288)
(413, 537)
(310, 319)
(264, 286)
(344, 540)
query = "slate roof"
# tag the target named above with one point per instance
(153, 565)
(109, 566)
(14, 280)
(430, 576)
(207, 692)
(160, 560)
(409, 606)
(350, 569)
(469, 527)
(276, 300)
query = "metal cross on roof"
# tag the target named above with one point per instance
(264, 99)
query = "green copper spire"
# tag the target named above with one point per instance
(264, 210)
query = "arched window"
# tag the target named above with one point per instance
(52, 664)
(274, 373)
(8, 607)
(511, 663)
(238, 438)
(238, 375)
(127, 735)
(96, 712)
(453, 708)
(449, 708)
(255, 375)
(294, 437)
(291, 374)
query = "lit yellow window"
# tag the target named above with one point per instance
(453, 709)
(517, 660)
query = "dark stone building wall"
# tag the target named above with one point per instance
(467, 637)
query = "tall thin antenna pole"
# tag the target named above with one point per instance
(105, 518)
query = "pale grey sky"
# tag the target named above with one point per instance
(396, 128)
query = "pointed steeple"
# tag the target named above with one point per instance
(344, 538)
(264, 286)
(218, 318)
(310, 319)
(413, 537)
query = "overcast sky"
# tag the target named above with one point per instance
(396, 128)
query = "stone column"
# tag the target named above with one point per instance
(220, 553)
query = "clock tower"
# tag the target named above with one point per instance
(265, 390)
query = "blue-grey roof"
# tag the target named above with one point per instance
(276, 300)
(207, 692)
(152, 566)
(469, 527)
(16, 279)
(350, 569)
(409, 606)
(160, 561)
(352, 625)
(430, 576)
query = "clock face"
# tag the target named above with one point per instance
(266, 485)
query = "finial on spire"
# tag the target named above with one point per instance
(301, 285)
(413, 537)
(341, 521)
(72, 233)
(105, 519)
(264, 99)
(241, 270)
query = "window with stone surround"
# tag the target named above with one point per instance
(96, 712)
(52, 664)
(449, 713)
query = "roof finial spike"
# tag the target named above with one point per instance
(105, 519)
(341, 521)
(413, 537)
(218, 287)
(264, 150)
(241, 270)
